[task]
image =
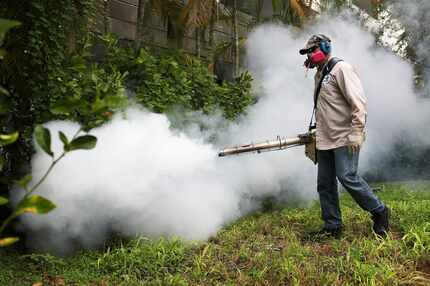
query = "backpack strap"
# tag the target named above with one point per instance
(326, 70)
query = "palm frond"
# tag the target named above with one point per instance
(197, 13)
(296, 6)
(292, 11)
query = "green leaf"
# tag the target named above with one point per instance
(2, 163)
(85, 142)
(117, 101)
(65, 106)
(5, 25)
(35, 204)
(8, 241)
(7, 139)
(43, 139)
(63, 139)
(99, 105)
(3, 201)
(5, 104)
(23, 183)
(3, 91)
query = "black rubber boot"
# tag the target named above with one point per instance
(381, 223)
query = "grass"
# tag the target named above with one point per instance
(265, 248)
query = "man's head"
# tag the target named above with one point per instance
(317, 49)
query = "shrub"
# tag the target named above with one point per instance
(172, 78)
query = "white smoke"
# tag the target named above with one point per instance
(415, 16)
(145, 178)
(394, 109)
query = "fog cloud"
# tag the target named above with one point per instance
(145, 178)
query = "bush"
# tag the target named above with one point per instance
(38, 52)
(87, 93)
(170, 79)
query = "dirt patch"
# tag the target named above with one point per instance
(53, 280)
(396, 235)
(424, 267)
(323, 249)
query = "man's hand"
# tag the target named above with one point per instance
(356, 138)
(354, 148)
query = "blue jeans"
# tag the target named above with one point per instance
(342, 163)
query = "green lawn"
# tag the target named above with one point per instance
(268, 248)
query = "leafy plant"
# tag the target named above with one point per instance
(36, 204)
(6, 25)
(36, 68)
(88, 94)
(234, 98)
(5, 139)
(173, 79)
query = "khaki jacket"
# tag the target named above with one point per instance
(341, 109)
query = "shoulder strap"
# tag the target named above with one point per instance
(326, 70)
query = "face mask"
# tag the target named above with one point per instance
(318, 57)
(314, 58)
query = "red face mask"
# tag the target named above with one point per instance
(318, 57)
(315, 58)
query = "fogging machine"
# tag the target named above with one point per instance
(280, 143)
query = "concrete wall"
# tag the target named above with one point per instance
(122, 19)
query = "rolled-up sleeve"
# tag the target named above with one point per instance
(350, 85)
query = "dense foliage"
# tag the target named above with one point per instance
(30, 203)
(164, 80)
(38, 54)
(87, 93)
(45, 61)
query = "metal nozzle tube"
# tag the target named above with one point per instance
(276, 144)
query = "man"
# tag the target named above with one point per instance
(341, 111)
